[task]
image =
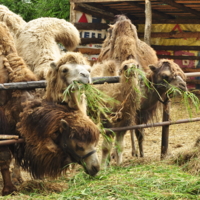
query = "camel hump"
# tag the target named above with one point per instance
(60, 30)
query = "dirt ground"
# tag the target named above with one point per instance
(181, 136)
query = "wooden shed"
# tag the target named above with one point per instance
(171, 27)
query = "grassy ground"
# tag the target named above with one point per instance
(142, 179)
(155, 180)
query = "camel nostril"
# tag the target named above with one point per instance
(84, 75)
(183, 86)
(95, 170)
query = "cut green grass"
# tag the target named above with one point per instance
(151, 181)
(189, 99)
(98, 103)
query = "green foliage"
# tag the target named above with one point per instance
(190, 100)
(98, 103)
(39, 8)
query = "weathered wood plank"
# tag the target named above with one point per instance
(89, 51)
(42, 84)
(181, 7)
(169, 21)
(165, 129)
(148, 22)
(91, 26)
(6, 137)
(91, 41)
(94, 11)
(176, 48)
(179, 57)
(173, 35)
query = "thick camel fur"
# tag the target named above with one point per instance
(13, 69)
(165, 74)
(56, 136)
(122, 43)
(12, 102)
(13, 21)
(36, 40)
(127, 93)
(105, 68)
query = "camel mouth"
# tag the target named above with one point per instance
(183, 87)
(93, 171)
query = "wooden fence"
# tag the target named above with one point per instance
(11, 139)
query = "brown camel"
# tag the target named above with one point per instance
(14, 69)
(123, 43)
(123, 114)
(165, 74)
(56, 136)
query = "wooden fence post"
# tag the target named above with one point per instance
(165, 129)
(148, 22)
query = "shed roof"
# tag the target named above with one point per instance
(163, 11)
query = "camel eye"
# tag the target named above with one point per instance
(65, 70)
(79, 148)
(165, 77)
(125, 67)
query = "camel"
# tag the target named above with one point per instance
(122, 43)
(105, 68)
(37, 40)
(122, 114)
(14, 69)
(56, 136)
(165, 74)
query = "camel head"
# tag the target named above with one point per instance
(129, 69)
(166, 73)
(80, 149)
(72, 67)
(69, 68)
(55, 137)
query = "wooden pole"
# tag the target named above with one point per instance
(165, 129)
(165, 123)
(8, 142)
(6, 137)
(148, 22)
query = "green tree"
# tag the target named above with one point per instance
(39, 8)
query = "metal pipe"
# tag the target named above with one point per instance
(42, 83)
(8, 142)
(153, 125)
(21, 140)
(7, 137)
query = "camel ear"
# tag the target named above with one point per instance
(53, 65)
(64, 125)
(153, 68)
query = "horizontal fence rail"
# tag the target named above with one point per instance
(42, 83)
(153, 125)
(21, 140)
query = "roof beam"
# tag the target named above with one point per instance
(111, 10)
(181, 7)
(154, 12)
(94, 11)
